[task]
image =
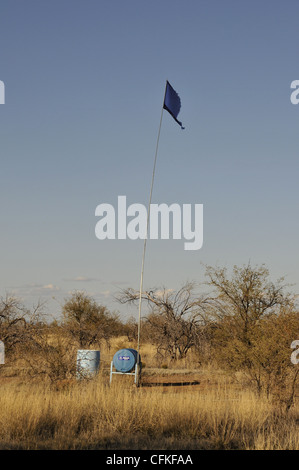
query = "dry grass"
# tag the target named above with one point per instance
(218, 413)
(92, 415)
(148, 355)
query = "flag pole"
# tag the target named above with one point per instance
(145, 239)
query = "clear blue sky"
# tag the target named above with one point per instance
(84, 89)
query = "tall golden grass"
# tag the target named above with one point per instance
(94, 415)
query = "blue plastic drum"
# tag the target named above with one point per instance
(125, 360)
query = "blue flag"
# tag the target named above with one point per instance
(172, 102)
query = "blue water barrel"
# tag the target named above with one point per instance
(125, 360)
(88, 363)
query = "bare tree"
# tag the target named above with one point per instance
(173, 318)
(50, 354)
(17, 322)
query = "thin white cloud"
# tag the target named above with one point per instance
(106, 293)
(118, 283)
(51, 287)
(161, 293)
(35, 289)
(82, 279)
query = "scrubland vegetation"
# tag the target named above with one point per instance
(95, 416)
(234, 341)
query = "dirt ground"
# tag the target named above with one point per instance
(179, 382)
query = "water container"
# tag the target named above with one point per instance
(88, 363)
(125, 360)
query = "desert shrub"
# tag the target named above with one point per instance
(87, 322)
(254, 323)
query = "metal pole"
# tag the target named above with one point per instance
(145, 239)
